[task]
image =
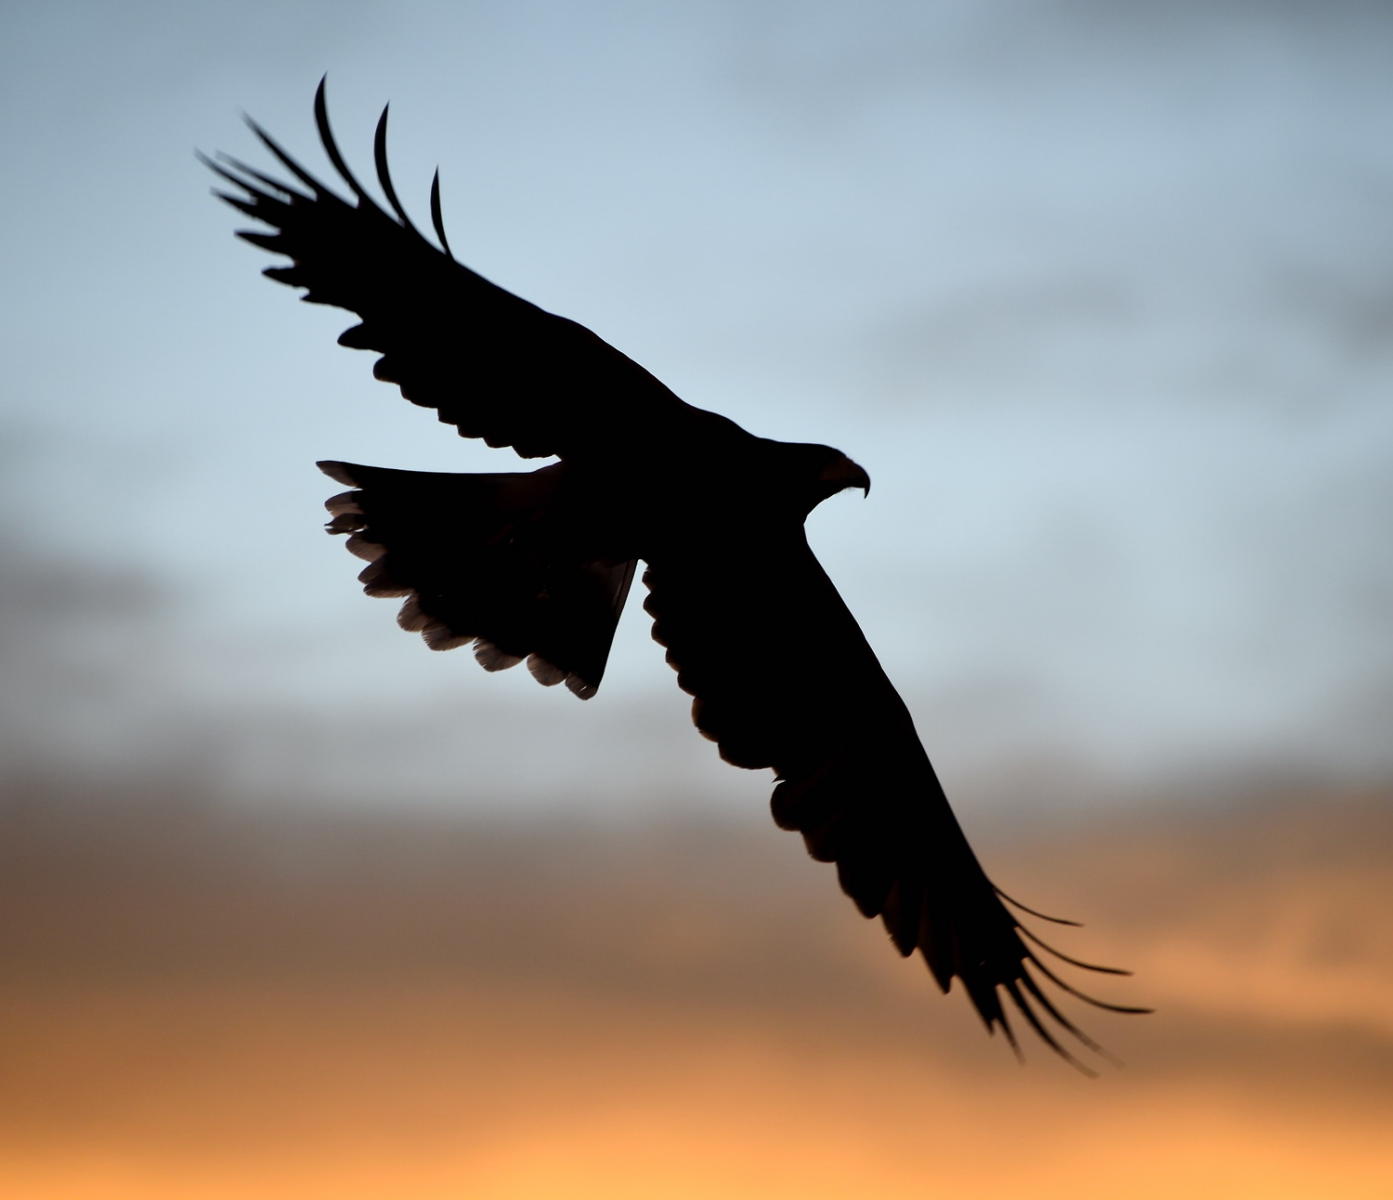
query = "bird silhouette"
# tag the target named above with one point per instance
(535, 566)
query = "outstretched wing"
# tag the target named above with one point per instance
(783, 677)
(490, 363)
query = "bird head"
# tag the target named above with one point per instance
(840, 473)
(821, 471)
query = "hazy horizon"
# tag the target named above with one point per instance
(205, 1002)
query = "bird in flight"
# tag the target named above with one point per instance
(535, 566)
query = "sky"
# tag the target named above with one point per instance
(1101, 295)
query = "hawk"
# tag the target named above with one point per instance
(535, 566)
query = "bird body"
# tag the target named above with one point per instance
(536, 566)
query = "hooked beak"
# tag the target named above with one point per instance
(844, 474)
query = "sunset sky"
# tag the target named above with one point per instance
(1102, 297)
(200, 1006)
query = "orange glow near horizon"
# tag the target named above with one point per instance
(444, 1028)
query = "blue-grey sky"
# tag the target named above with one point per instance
(1101, 295)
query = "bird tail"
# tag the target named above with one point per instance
(499, 561)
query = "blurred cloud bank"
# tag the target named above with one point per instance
(203, 1003)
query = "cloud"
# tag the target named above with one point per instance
(211, 1005)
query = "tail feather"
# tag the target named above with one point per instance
(488, 560)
